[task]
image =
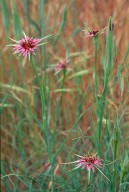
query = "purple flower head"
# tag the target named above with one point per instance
(26, 45)
(90, 162)
(61, 65)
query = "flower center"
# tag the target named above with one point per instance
(90, 159)
(28, 45)
(94, 32)
(63, 65)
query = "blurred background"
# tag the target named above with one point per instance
(22, 142)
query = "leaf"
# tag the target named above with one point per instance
(64, 90)
(14, 87)
(5, 15)
(62, 25)
(16, 21)
(86, 26)
(80, 73)
(6, 105)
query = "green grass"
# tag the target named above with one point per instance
(44, 117)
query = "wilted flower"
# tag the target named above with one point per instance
(26, 45)
(93, 33)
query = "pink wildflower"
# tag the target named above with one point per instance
(61, 65)
(26, 45)
(89, 162)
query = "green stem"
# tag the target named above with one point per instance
(60, 102)
(40, 87)
(44, 120)
(43, 90)
(88, 181)
(108, 66)
(89, 174)
(64, 75)
(95, 41)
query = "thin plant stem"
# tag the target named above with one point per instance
(40, 87)
(44, 130)
(60, 101)
(95, 41)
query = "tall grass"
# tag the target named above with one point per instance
(47, 118)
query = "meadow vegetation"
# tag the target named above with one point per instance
(68, 102)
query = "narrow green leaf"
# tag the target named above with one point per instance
(122, 85)
(6, 105)
(86, 27)
(80, 73)
(14, 87)
(5, 15)
(16, 21)
(62, 25)
(64, 90)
